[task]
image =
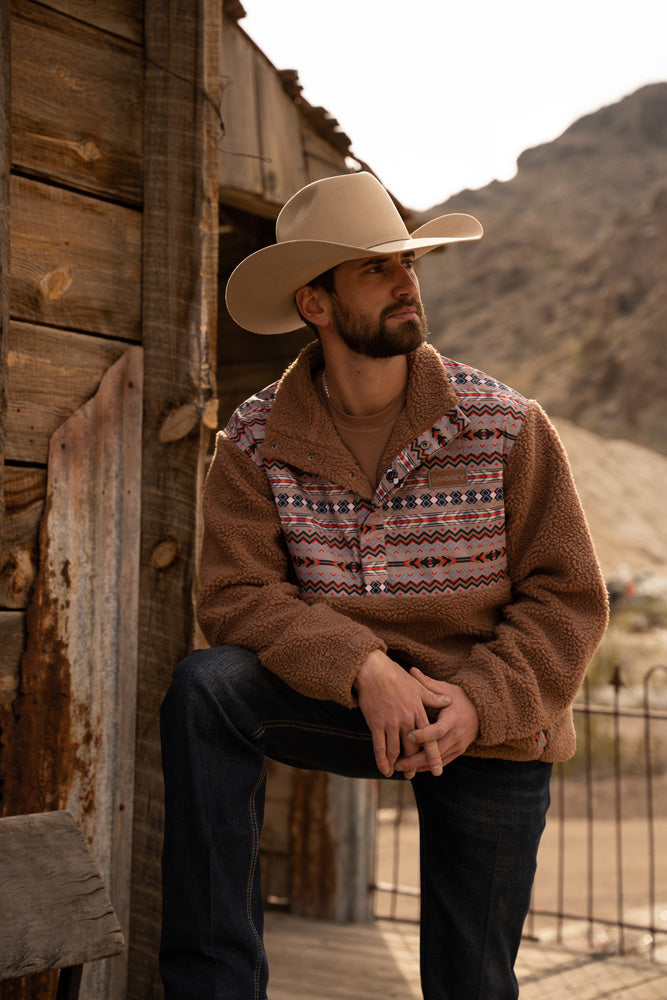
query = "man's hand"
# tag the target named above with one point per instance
(456, 728)
(394, 704)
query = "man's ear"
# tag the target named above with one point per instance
(311, 304)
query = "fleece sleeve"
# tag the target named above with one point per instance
(527, 675)
(247, 593)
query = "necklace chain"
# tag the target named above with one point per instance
(324, 383)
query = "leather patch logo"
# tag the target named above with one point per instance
(439, 479)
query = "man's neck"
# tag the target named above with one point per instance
(360, 385)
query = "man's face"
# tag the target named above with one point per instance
(376, 307)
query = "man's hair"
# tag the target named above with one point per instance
(327, 281)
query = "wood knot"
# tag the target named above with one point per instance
(164, 554)
(179, 423)
(88, 151)
(17, 576)
(55, 284)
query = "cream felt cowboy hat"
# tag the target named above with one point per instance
(325, 223)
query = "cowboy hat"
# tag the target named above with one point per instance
(332, 220)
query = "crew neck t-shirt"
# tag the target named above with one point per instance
(365, 437)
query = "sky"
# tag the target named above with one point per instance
(442, 95)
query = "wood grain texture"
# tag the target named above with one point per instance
(124, 18)
(180, 243)
(322, 160)
(280, 136)
(54, 908)
(5, 164)
(70, 741)
(240, 165)
(76, 115)
(51, 373)
(12, 639)
(25, 490)
(75, 261)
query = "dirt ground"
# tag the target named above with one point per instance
(587, 857)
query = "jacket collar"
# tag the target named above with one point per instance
(300, 431)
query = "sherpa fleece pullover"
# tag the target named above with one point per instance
(471, 560)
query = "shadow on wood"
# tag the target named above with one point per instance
(55, 912)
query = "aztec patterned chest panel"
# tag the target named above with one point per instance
(436, 524)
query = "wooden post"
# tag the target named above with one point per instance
(332, 827)
(5, 164)
(180, 238)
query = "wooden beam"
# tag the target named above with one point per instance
(54, 908)
(5, 165)
(180, 240)
(119, 17)
(240, 165)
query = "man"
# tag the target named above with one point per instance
(396, 579)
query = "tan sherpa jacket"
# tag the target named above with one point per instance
(472, 560)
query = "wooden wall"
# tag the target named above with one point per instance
(74, 197)
(75, 256)
(273, 141)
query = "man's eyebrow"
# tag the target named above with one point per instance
(406, 255)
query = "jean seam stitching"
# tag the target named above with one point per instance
(312, 728)
(251, 882)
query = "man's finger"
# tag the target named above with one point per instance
(433, 757)
(380, 751)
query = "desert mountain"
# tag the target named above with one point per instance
(621, 486)
(565, 298)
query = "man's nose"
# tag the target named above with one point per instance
(405, 282)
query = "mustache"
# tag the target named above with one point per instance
(410, 302)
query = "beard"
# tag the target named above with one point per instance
(372, 337)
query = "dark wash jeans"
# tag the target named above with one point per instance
(480, 823)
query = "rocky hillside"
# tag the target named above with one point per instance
(565, 298)
(621, 486)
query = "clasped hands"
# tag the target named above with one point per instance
(396, 705)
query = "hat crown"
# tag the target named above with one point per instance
(352, 209)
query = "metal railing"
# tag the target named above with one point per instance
(602, 867)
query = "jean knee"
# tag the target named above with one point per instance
(214, 674)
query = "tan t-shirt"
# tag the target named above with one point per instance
(365, 437)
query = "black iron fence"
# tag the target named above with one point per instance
(602, 869)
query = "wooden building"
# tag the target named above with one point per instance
(146, 146)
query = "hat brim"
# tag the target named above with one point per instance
(260, 291)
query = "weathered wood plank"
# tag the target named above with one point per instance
(51, 373)
(280, 136)
(75, 260)
(54, 908)
(72, 741)
(12, 640)
(181, 129)
(119, 17)
(76, 116)
(322, 160)
(239, 163)
(25, 490)
(5, 163)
